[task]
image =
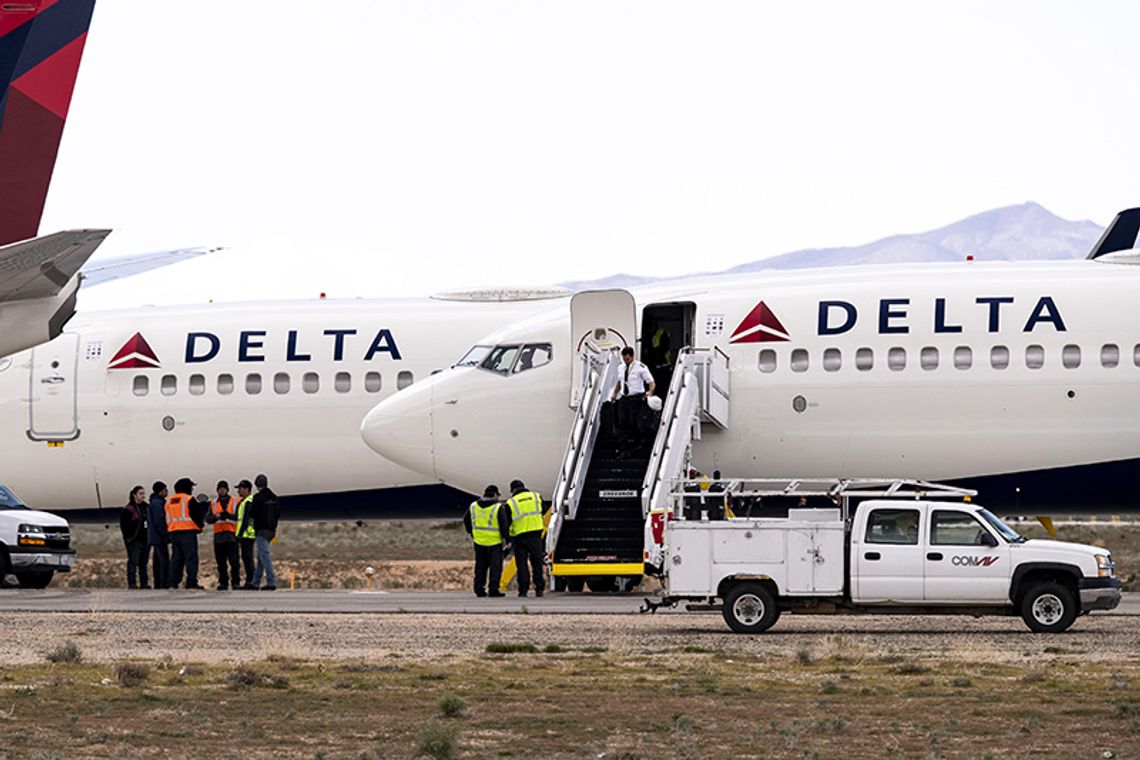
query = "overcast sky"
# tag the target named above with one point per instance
(388, 148)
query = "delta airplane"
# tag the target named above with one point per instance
(1021, 380)
(225, 391)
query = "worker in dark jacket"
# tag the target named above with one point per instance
(266, 511)
(489, 525)
(132, 524)
(156, 536)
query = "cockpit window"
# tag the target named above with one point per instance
(474, 356)
(501, 359)
(534, 355)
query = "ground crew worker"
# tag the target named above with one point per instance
(223, 514)
(489, 525)
(526, 536)
(266, 509)
(156, 535)
(183, 532)
(246, 537)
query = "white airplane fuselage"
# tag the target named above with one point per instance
(225, 391)
(1022, 378)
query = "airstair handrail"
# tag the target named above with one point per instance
(671, 432)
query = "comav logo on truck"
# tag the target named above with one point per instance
(966, 561)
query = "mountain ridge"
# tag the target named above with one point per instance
(1023, 232)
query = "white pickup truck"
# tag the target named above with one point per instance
(916, 557)
(33, 545)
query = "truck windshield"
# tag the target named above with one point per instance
(8, 500)
(1008, 533)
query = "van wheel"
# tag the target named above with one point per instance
(750, 608)
(602, 584)
(576, 585)
(5, 567)
(34, 580)
(1049, 608)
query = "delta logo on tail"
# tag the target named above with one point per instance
(136, 353)
(760, 326)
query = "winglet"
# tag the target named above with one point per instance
(41, 42)
(1120, 235)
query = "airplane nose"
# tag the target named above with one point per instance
(399, 429)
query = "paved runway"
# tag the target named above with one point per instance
(339, 601)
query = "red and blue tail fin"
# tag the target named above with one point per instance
(41, 42)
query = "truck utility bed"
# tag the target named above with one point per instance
(803, 553)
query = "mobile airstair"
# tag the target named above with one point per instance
(607, 486)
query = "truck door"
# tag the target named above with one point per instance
(888, 559)
(964, 560)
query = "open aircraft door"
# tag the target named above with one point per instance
(600, 320)
(52, 401)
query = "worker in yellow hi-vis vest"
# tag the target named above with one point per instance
(526, 536)
(489, 524)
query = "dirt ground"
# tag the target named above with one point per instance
(398, 686)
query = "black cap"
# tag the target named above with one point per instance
(490, 492)
(223, 484)
(243, 483)
(184, 485)
(516, 485)
(261, 481)
(158, 486)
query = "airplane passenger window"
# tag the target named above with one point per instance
(1109, 355)
(404, 379)
(1071, 356)
(832, 359)
(963, 357)
(372, 382)
(281, 383)
(799, 361)
(197, 385)
(767, 360)
(342, 382)
(896, 358)
(253, 383)
(1136, 355)
(311, 382)
(534, 355)
(225, 384)
(864, 359)
(169, 385)
(1034, 357)
(928, 358)
(141, 385)
(999, 357)
(501, 359)
(473, 357)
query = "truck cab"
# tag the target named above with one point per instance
(33, 545)
(881, 555)
(946, 554)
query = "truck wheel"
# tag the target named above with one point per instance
(34, 580)
(576, 585)
(750, 608)
(1049, 608)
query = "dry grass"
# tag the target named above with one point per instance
(573, 705)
